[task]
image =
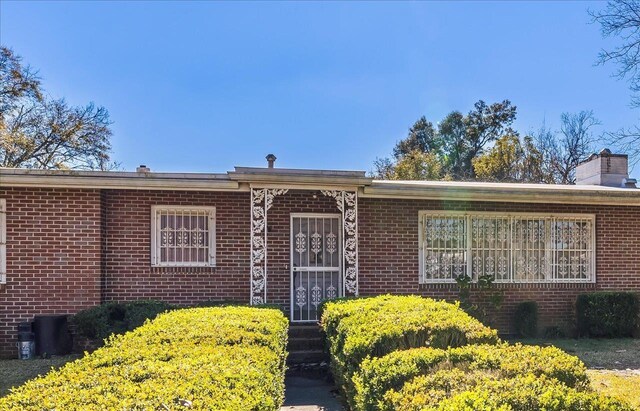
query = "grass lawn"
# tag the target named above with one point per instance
(15, 372)
(614, 365)
(621, 384)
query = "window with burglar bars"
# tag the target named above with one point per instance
(3, 241)
(511, 248)
(183, 236)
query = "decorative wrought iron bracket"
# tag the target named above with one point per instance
(261, 202)
(347, 202)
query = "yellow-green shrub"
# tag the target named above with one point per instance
(454, 390)
(230, 358)
(372, 327)
(379, 380)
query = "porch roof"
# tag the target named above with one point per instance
(242, 178)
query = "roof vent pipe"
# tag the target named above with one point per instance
(271, 159)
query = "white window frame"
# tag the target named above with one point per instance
(513, 215)
(155, 235)
(3, 241)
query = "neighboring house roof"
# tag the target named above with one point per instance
(242, 178)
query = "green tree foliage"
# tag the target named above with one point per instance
(422, 137)
(510, 160)
(418, 165)
(481, 145)
(37, 131)
(447, 151)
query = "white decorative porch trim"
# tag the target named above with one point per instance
(261, 202)
(347, 203)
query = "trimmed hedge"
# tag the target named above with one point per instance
(379, 379)
(525, 319)
(372, 327)
(607, 314)
(99, 322)
(230, 358)
(454, 390)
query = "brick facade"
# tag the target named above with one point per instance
(388, 244)
(128, 274)
(53, 256)
(71, 249)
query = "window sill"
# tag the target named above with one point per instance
(569, 285)
(183, 269)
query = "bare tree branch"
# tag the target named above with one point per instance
(39, 132)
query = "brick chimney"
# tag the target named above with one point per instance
(605, 169)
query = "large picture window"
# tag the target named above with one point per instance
(511, 248)
(3, 241)
(182, 236)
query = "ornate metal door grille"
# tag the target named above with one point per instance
(316, 259)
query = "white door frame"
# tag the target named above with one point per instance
(337, 216)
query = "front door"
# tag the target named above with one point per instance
(316, 258)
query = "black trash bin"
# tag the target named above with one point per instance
(26, 341)
(52, 335)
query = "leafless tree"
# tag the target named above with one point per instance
(562, 151)
(39, 132)
(621, 19)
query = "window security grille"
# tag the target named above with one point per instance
(511, 248)
(183, 236)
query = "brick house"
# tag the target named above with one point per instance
(71, 240)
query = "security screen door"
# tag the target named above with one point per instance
(316, 255)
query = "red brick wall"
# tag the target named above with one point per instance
(128, 274)
(53, 256)
(388, 251)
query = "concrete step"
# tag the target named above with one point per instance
(305, 344)
(304, 331)
(307, 356)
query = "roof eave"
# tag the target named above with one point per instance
(116, 180)
(509, 195)
(299, 178)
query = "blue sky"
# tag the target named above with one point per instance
(204, 86)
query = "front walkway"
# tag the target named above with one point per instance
(309, 394)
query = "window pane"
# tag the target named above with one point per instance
(509, 248)
(572, 241)
(491, 250)
(184, 236)
(444, 247)
(531, 252)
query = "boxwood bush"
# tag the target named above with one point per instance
(227, 358)
(607, 314)
(377, 383)
(372, 327)
(525, 319)
(454, 390)
(99, 322)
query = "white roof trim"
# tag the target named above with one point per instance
(502, 192)
(244, 177)
(116, 180)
